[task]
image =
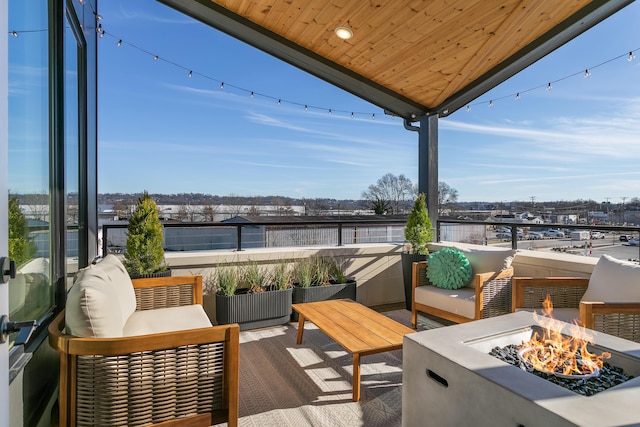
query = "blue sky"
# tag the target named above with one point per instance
(164, 132)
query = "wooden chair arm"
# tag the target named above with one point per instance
(70, 344)
(589, 310)
(526, 291)
(162, 292)
(481, 278)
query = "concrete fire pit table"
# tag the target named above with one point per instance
(450, 379)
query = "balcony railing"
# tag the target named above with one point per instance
(300, 233)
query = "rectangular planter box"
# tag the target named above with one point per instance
(322, 293)
(257, 310)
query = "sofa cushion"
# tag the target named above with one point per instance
(100, 301)
(169, 319)
(613, 280)
(448, 268)
(459, 301)
(487, 260)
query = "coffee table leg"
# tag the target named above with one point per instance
(300, 328)
(356, 377)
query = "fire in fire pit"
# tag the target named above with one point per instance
(557, 354)
(562, 359)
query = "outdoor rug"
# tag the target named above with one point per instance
(284, 384)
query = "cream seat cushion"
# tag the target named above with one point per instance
(166, 320)
(458, 301)
(100, 301)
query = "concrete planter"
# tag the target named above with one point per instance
(407, 262)
(256, 310)
(322, 293)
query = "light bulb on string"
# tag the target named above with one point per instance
(517, 96)
(373, 116)
(306, 108)
(222, 85)
(251, 96)
(468, 108)
(330, 112)
(587, 74)
(14, 33)
(155, 57)
(630, 57)
(352, 114)
(119, 43)
(278, 102)
(99, 28)
(190, 73)
(491, 103)
(549, 86)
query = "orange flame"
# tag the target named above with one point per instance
(556, 353)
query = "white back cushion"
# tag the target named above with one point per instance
(100, 301)
(613, 280)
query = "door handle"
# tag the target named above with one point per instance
(24, 330)
(7, 269)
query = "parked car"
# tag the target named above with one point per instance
(534, 236)
(554, 233)
(625, 237)
(503, 230)
(634, 242)
(597, 235)
(508, 235)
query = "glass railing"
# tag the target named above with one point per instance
(237, 236)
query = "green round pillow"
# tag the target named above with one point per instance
(448, 268)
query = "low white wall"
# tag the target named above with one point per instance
(377, 268)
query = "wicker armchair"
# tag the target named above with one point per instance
(608, 301)
(491, 296)
(184, 377)
(619, 319)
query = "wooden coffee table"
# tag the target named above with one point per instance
(360, 330)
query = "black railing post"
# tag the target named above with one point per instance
(239, 242)
(105, 240)
(340, 234)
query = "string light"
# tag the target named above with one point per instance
(630, 56)
(373, 116)
(14, 33)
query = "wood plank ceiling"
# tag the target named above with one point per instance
(409, 57)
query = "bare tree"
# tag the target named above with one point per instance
(447, 197)
(209, 212)
(390, 191)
